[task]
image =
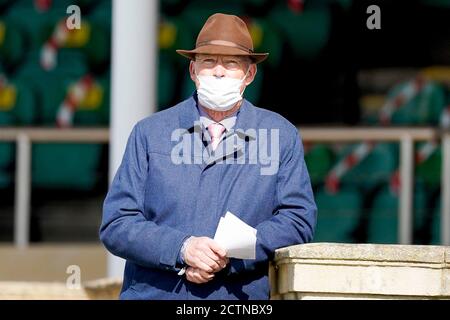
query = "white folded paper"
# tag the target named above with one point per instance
(237, 237)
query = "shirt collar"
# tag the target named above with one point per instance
(228, 122)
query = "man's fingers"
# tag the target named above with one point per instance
(220, 262)
(204, 266)
(190, 276)
(205, 275)
(217, 249)
(198, 276)
(213, 260)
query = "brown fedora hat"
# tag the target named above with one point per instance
(226, 35)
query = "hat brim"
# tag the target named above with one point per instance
(222, 50)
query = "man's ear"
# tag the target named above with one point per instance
(251, 74)
(192, 72)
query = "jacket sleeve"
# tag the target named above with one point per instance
(125, 231)
(294, 218)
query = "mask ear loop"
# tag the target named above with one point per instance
(243, 79)
(246, 73)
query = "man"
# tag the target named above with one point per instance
(180, 174)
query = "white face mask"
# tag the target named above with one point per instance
(219, 93)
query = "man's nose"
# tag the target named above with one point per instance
(219, 71)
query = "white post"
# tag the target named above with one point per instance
(22, 191)
(405, 222)
(445, 191)
(133, 96)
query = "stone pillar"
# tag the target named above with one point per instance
(133, 81)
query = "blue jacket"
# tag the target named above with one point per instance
(156, 201)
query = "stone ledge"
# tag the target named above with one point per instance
(367, 252)
(363, 271)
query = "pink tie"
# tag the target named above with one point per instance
(215, 131)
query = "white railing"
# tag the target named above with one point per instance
(24, 137)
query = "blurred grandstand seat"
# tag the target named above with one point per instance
(424, 109)
(197, 11)
(174, 33)
(429, 171)
(166, 83)
(266, 38)
(68, 166)
(71, 64)
(373, 170)
(12, 43)
(253, 91)
(97, 47)
(17, 103)
(435, 228)
(383, 216)
(36, 25)
(71, 165)
(319, 159)
(338, 215)
(416, 106)
(187, 86)
(17, 107)
(71, 67)
(305, 29)
(94, 108)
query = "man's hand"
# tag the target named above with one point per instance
(205, 254)
(198, 276)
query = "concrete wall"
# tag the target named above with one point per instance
(102, 289)
(361, 271)
(49, 263)
(41, 272)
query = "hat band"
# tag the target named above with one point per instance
(223, 43)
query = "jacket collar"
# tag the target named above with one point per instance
(189, 119)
